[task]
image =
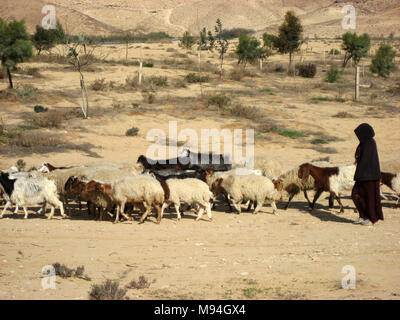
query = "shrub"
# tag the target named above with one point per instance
(36, 139)
(132, 132)
(252, 113)
(307, 70)
(108, 290)
(99, 85)
(142, 283)
(333, 74)
(221, 101)
(196, 78)
(39, 108)
(334, 52)
(50, 119)
(158, 81)
(293, 134)
(65, 272)
(383, 62)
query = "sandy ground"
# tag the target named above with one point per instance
(293, 255)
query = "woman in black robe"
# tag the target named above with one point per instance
(366, 190)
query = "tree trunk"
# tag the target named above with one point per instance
(140, 72)
(290, 62)
(357, 83)
(261, 64)
(9, 78)
(85, 106)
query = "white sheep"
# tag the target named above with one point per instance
(30, 191)
(191, 192)
(137, 190)
(264, 165)
(250, 187)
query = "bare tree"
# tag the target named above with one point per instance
(80, 56)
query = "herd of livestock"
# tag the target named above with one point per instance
(192, 179)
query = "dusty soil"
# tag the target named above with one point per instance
(293, 255)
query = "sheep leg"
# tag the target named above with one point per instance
(117, 214)
(16, 209)
(228, 202)
(163, 207)
(200, 213)
(238, 207)
(178, 213)
(8, 203)
(208, 211)
(121, 212)
(290, 199)
(101, 210)
(258, 207)
(43, 208)
(26, 213)
(159, 217)
(274, 208)
(316, 196)
(250, 203)
(144, 216)
(51, 212)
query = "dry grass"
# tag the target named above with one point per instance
(108, 290)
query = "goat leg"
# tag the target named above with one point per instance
(340, 204)
(331, 199)
(316, 196)
(290, 199)
(306, 196)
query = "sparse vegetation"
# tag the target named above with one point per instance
(132, 132)
(383, 62)
(108, 290)
(142, 283)
(333, 74)
(307, 70)
(196, 78)
(66, 272)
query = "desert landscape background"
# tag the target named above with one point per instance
(293, 255)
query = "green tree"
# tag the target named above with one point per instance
(15, 45)
(43, 39)
(187, 41)
(249, 50)
(289, 36)
(59, 33)
(219, 42)
(355, 47)
(383, 61)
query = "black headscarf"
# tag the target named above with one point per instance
(367, 158)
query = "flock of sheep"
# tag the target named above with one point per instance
(116, 189)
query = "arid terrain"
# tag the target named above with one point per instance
(292, 255)
(321, 17)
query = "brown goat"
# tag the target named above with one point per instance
(321, 180)
(90, 191)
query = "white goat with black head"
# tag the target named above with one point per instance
(26, 192)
